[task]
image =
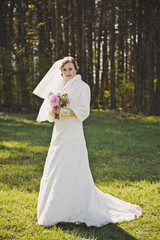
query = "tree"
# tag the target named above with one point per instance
(112, 53)
(116, 44)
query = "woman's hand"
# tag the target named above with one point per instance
(66, 112)
(63, 111)
(57, 111)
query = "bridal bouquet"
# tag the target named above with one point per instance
(58, 100)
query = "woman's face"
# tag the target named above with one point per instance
(68, 71)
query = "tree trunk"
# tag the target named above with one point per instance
(112, 55)
(135, 58)
(5, 56)
(157, 93)
(3, 33)
(83, 67)
(120, 70)
(66, 27)
(150, 64)
(104, 77)
(21, 58)
(57, 30)
(98, 59)
(90, 15)
(72, 29)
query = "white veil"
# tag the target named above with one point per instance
(50, 82)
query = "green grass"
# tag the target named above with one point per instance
(124, 153)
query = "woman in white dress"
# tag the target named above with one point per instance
(67, 190)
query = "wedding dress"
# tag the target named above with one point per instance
(67, 190)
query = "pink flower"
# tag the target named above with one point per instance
(68, 101)
(59, 100)
(54, 100)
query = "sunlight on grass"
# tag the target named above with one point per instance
(18, 149)
(124, 154)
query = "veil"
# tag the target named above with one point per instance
(50, 82)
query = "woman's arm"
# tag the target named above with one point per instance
(64, 111)
(82, 110)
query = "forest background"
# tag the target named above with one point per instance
(116, 44)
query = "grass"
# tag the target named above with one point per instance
(124, 153)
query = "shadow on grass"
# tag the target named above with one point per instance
(108, 232)
(21, 129)
(110, 153)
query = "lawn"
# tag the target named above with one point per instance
(124, 153)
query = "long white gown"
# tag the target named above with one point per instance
(67, 190)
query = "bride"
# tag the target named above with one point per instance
(67, 191)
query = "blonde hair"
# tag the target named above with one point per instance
(67, 60)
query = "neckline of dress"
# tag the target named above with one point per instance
(70, 82)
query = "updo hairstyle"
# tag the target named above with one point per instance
(67, 60)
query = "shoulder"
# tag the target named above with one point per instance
(85, 85)
(82, 83)
(86, 88)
